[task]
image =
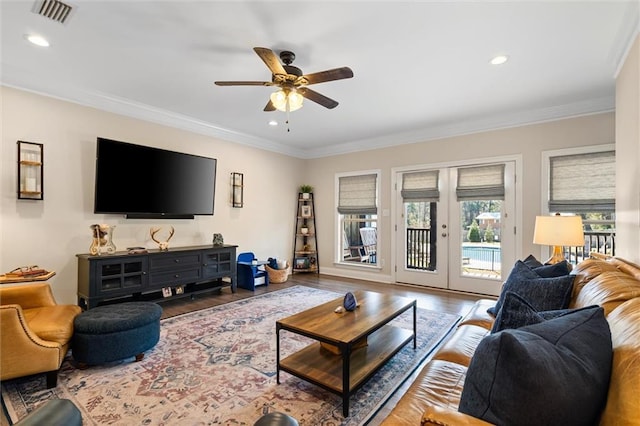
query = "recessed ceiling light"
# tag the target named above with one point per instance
(37, 40)
(499, 60)
(273, 123)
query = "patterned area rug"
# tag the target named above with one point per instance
(217, 367)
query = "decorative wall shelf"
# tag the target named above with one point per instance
(30, 171)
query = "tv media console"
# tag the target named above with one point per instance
(155, 275)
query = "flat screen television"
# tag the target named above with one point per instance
(144, 182)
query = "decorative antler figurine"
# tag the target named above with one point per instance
(162, 245)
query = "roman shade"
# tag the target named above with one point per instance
(357, 194)
(583, 183)
(481, 183)
(420, 186)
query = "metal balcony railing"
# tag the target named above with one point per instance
(603, 242)
(421, 251)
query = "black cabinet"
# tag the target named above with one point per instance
(178, 272)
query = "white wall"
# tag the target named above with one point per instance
(628, 156)
(527, 141)
(51, 232)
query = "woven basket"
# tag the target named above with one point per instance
(278, 275)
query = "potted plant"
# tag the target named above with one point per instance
(306, 190)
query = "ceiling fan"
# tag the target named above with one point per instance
(291, 82)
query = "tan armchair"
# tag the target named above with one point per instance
(35, 331)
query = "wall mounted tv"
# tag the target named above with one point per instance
(142, 182)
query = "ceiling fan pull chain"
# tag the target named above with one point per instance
(288, 111)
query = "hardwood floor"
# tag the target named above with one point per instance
(433, 299)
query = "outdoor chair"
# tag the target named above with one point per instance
(369, 243)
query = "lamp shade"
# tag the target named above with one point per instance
(559, 231)
(282, 97)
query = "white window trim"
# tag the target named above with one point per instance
(337, 252)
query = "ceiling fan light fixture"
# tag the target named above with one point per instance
(283, 98)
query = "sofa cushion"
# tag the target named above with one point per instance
(626, 266)
(608, 290)
(478, 314)
(587, 270)
(553, 372)
(544, 294)
(438, 384)
(459, 348)
(623, 404)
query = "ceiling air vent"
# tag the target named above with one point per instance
(53, 9)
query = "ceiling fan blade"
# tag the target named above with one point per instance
(270, 59)
(316, 97)
(269, 107)
(329, 75)
(244, 83)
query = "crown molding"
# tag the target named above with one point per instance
(465, 127)
(626, 37)
(131, 109)
(147, 113)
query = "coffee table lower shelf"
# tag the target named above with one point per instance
(325, 369)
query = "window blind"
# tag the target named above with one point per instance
(583, 183)
(420, 186)
(481, 183)
(357, 194)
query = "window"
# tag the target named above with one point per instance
(480, 193)
(582, 182)
(358, 217)
(420, 194)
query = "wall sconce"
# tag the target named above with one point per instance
(237, 189)
(30, 171)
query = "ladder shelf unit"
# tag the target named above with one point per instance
(305, 245)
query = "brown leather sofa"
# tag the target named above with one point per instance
(614, 284)
(35, 331)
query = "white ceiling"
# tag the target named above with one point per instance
(421, 68)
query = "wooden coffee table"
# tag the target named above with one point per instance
(346, 333)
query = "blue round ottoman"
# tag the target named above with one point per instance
(113, 332)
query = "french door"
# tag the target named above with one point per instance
(456, 226)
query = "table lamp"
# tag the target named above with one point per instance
(558, 231)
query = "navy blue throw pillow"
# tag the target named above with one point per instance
(554, 372)
(532, 262)
(556, 270)
(516, 312)
(546, 271)
(544, 294)
(520, 271)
